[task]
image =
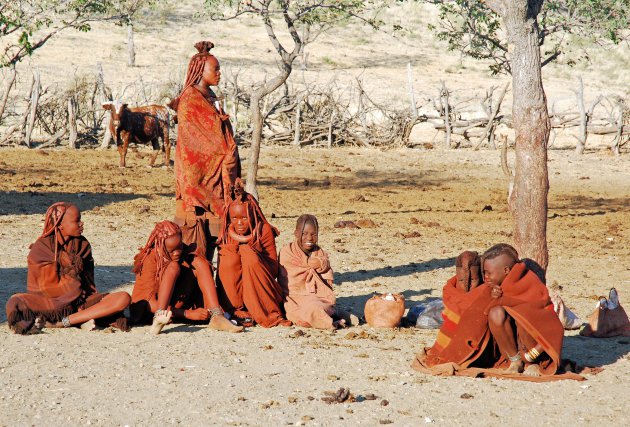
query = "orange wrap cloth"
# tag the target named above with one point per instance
(247, 278)
(310, 299)
(464, 345)
(186, 295)
(206, 165)
(58, 286)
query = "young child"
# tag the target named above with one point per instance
(171, 282)
(505, 325)
(307, 279)
(60, 283)
(248, 262)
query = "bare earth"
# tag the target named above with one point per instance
(190, 375)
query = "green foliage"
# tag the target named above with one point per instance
(307, 17)
(472, 28)
(126, 12)
(26, 25)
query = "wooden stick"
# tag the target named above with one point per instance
(444, 100)
(33, 110)
(72, 123)
(412, 96)
(5, 96)
(330, 128)
(495, 111)
(296, 139)
(53, 139)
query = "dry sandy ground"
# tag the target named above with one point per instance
(193, 376)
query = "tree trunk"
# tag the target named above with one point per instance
(5, 96)
(131, 50)
(254, 155)
(528, 203)
(72, 124)
(257, 126)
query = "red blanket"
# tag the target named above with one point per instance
(206, 158)
(247, 278)
(57, 287)
(464, 345)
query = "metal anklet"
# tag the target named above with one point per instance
(218, 311)
(65, 321)
(532, 355)
(515, 358)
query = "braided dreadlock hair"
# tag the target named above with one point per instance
(52, 221)
(156, 242)
(255, 216)
(301, 223)
(195, 68)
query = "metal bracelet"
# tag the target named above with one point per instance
(65, 321)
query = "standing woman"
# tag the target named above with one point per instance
(206, 157)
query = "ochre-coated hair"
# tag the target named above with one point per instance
(301, 223)
(498, 250)
(52, 220)
(195, 68)
(157, 243)
(255, 216)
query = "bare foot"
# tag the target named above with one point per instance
(350, 319)
(28, 327)
(532, 370)
(220, 323)
(161, 319)
(515, 367)
(53, 325)
(339, 324)
(90, 325)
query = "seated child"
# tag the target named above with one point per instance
(248, 263)
(510, 312)
(171, 282)
(307, 279)
(60, 289)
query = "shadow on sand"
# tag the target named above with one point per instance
(397, 271)
(32, 202)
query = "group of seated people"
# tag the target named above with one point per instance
(498, 314)
(175, 281)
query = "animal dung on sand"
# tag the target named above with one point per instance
(385, 311)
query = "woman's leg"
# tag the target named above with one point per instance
(110, 304)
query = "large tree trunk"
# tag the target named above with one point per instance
(131, 50)
(528, 203)
(254, 155)
(257, 126)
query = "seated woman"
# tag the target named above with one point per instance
(172, 282)
(502, 327)
(307, 279)
(248, 262)
(60, 289)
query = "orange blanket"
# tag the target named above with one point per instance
(206, 158)
(309, 295)
(247, 278)
(464, 345)
(186, 295)
(58, 287)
